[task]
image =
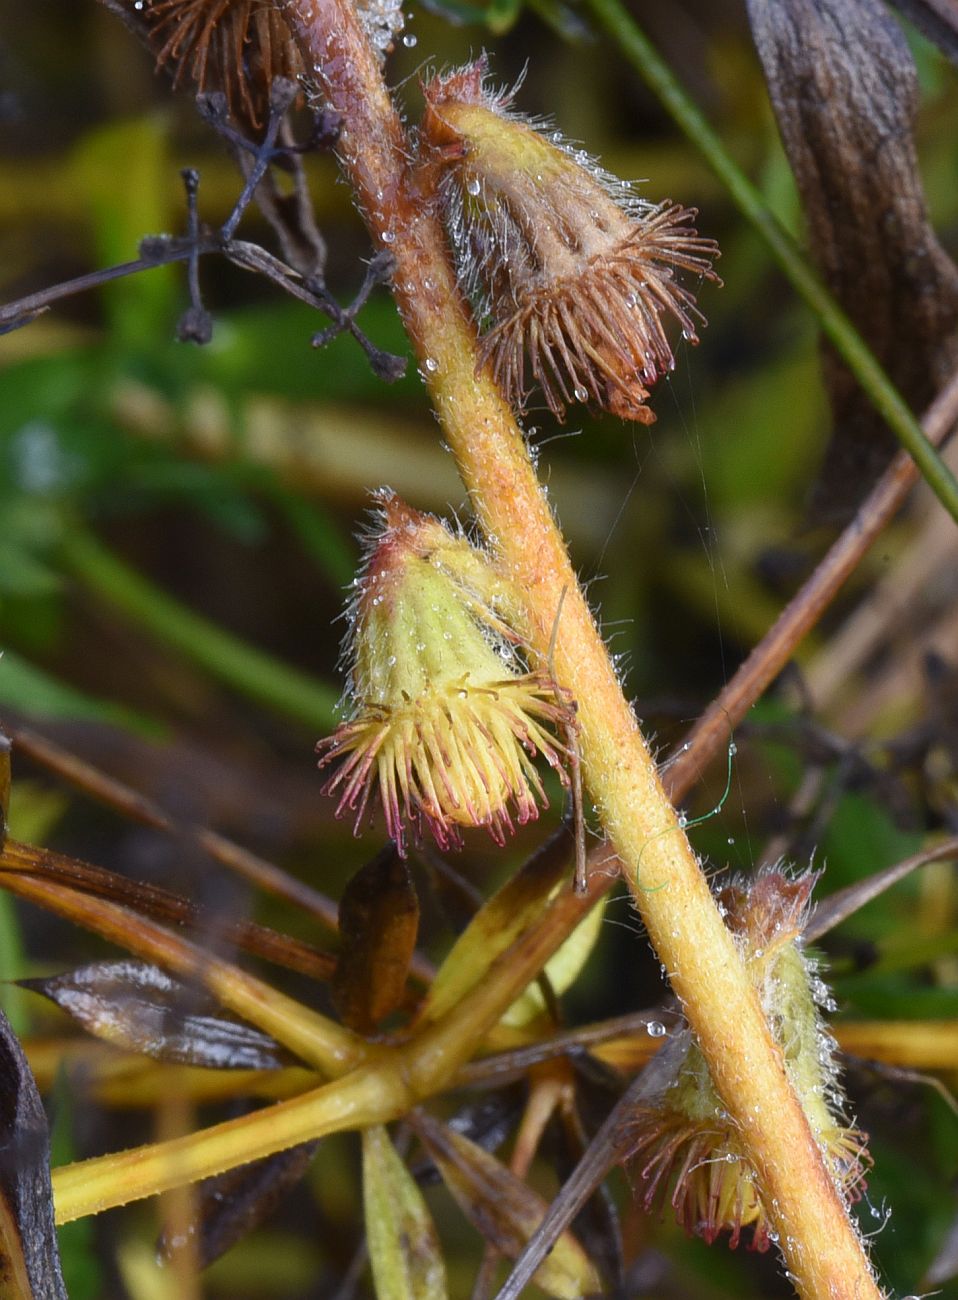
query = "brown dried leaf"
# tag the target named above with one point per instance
(29, 1260)
(404, 1249)
(936, 19)
(844, 89)
(504, 1209)
(378, 925)
(232, 1205)
(137, 1006)
(831, 911)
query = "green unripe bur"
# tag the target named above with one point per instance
(446, 718)
(688, 1128)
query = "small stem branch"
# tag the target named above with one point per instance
(91, 1186)
(389, 1085)
(253, 672)
(832, 320)
(821, 1246)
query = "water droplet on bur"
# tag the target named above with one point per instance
(431, 364)
(473, 186)
(581, 395)
(388, 237)
(409, 40)
(655, 1029)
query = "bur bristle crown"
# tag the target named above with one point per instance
(237, 47)
(447, 719)
(573, 276)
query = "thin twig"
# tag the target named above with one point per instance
(282, 94)
(121, 798)
(710, 734)
(158, 904)
(195, 325)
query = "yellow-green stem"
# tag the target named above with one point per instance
(90, 1186)
(393, 1080)
(822, 1249)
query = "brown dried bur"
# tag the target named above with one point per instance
(568, 267)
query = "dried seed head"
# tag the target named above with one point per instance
(686, 1137)
(567, 266)
(445, 716)
(238, 47)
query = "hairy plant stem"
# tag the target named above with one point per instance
(822, 1249)
(832, 320)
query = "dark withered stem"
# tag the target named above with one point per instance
(386, 365)
(294, 224)
(196, 324)
(282, 94)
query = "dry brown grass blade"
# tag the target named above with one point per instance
(312, 1037)
(163, 905)
(114, 794)
(709, 737)
(831, 911)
